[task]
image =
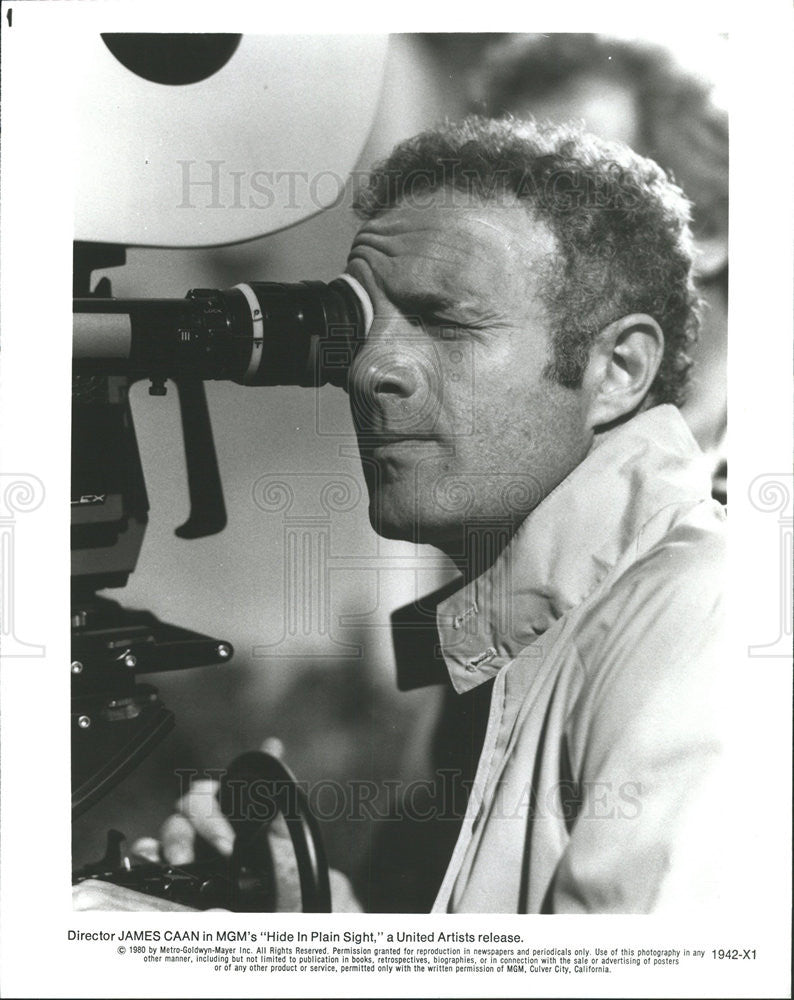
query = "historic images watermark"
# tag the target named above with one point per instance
(441, 799)
(215, 184)
(20, 493)
(310, 505)
(773, 493)
(436, 367)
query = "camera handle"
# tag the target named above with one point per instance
(255, 788)
(207, 509)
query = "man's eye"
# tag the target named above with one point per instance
(438, 327)
(426, 321)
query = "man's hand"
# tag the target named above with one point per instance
(177, 839)
(199, 814)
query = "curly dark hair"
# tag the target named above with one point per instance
(621, 228)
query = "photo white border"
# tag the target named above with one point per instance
(35, 287)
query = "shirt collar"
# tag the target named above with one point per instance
(563, 549)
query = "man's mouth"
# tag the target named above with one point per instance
(387, 442)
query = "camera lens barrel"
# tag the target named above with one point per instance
(259, 333)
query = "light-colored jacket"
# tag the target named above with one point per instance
(601, 623)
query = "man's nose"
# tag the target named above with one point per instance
(392, 380)
(384, 374)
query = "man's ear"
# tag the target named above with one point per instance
(623, 364)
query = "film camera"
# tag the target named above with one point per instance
(165, 126)
(259, 334)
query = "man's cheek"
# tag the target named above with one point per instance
(457, 391)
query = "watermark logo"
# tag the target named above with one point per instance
(773, 493)
(211, 184)
(307, 503)
(20, 493)
(443, 798)
(401, 380)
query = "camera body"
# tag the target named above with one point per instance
(257, 334)
(201, 111)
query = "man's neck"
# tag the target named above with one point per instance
(478, 546)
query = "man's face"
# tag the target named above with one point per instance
(457, 424)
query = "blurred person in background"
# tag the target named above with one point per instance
(638, 92)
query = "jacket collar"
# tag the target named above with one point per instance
(563, 550)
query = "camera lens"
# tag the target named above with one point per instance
(259, 333)
(302, 334)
